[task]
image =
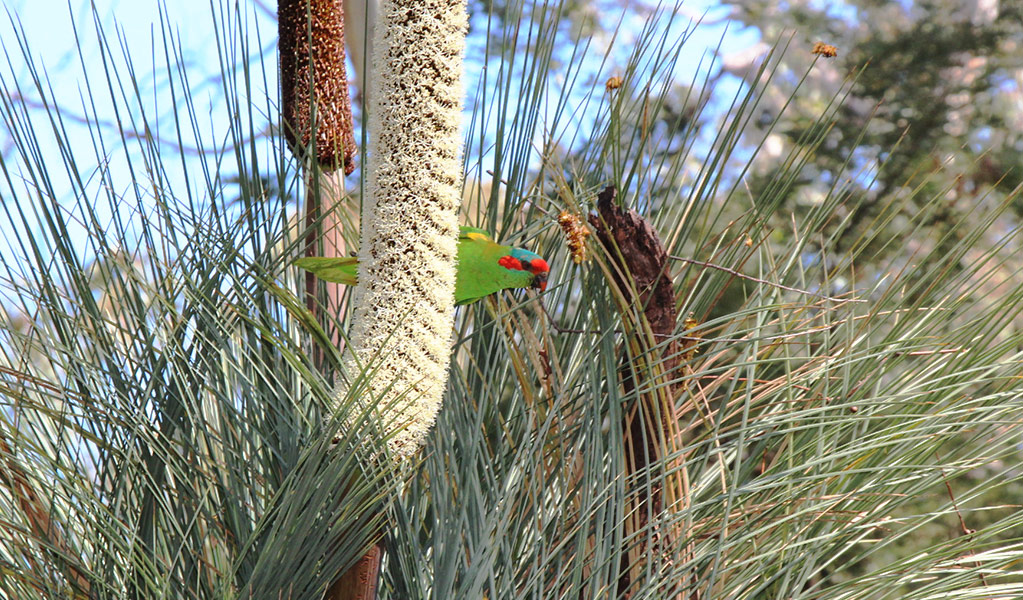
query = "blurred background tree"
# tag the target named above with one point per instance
(937, 100)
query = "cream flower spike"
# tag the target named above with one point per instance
(404, 302)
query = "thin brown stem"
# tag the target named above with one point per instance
(761, 281)
(37, 513)
(962, 522)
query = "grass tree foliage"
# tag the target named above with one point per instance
(163, 433)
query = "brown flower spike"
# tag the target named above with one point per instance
(314, 83)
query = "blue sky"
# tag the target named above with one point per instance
(48, 26)
(133, 31)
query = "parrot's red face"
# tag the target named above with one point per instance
(524, 260)
(538, 267)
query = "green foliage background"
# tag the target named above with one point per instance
(849, 407)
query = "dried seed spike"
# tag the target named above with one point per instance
(312, 47)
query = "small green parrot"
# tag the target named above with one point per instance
(484, 267)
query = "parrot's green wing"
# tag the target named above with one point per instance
(480, 272)
(344, 270)
(484, 267)
(338, 270)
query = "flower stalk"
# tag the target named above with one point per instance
(404, 302)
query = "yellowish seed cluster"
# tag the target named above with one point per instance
(691, 340)
(825, 50)
(576, 233)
